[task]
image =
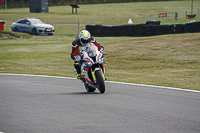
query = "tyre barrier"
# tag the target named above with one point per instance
(142, 30)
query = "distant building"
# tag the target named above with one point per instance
(39, 6)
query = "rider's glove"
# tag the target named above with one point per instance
(102, 51)
(77, 58)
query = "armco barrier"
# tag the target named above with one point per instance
(142, 29)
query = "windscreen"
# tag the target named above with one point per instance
(90, 48)
(36, 21)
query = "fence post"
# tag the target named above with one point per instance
(192, 8)
(149, 18)
(7, 26)
(6, 5)
(186, 15)
(62, 29)
(112, 21)
(78, 27)
(176, 16)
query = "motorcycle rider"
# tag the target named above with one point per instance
(83, 38)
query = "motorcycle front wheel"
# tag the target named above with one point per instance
(100, 81)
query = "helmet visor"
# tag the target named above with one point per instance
(85, 41)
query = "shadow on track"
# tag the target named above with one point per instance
(79, 93)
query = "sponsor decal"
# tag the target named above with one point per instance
(162, 15)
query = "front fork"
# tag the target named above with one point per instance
(93, 73)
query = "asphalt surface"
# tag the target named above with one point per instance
(34, 104)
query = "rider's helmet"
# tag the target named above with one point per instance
(85, 37)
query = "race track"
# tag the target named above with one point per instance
(39, 104)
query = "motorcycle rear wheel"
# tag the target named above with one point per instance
(100, 81)
(88, 88)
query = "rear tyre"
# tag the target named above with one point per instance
(15, 29)
(100, 81)
(88, 88)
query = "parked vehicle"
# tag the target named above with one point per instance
(92, 68)
(32, 26)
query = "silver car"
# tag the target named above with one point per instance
(32, 26)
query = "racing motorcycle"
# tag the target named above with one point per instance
(92, 68)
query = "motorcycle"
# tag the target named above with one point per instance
(92, 68)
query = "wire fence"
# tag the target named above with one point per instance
(176, 16)
(72, 27)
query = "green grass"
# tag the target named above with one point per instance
(103, 13)
(168, 60)
(16, 35)
(98, 13)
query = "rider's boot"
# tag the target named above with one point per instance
(77, 70)
(78, 76)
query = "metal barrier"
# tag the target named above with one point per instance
(164, 17)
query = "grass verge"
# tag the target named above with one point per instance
(167, 60)
(13, 35)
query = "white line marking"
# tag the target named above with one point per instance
(153, 86)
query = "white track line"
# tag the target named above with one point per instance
(153, 86)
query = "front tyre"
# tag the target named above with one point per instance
(34, 31)
(100, 81)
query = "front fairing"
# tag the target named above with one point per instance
(91, 55)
